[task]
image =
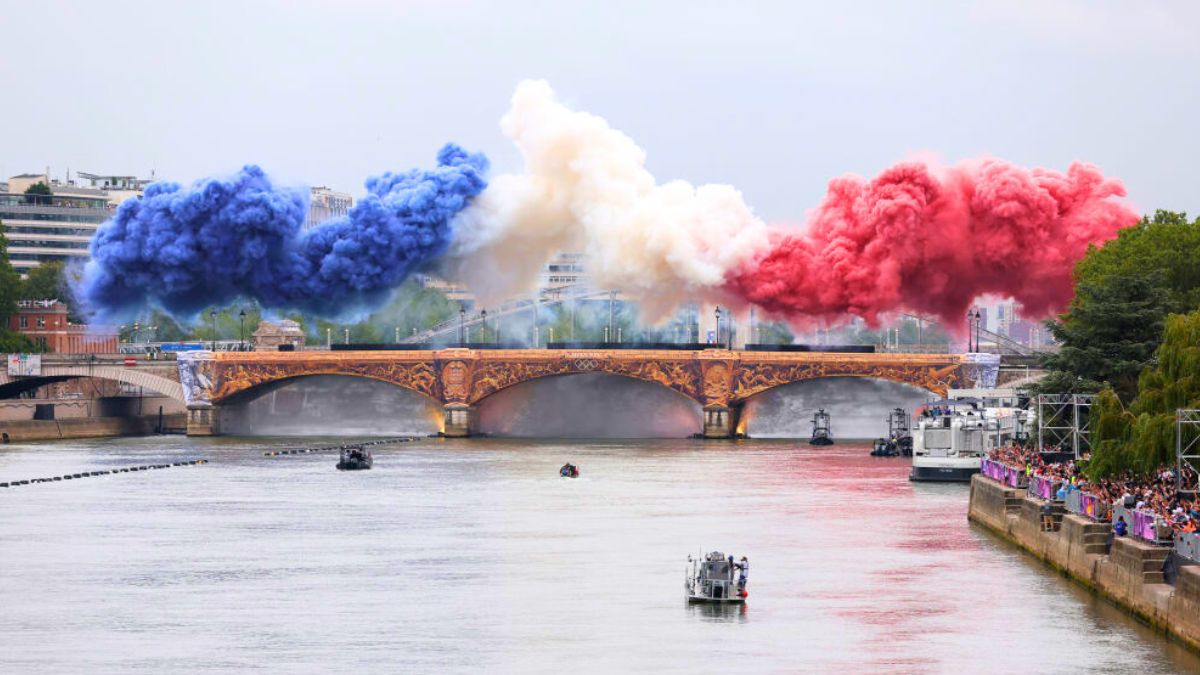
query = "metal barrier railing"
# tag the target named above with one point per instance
(1187, 545)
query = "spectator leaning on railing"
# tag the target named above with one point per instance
(1155, 494)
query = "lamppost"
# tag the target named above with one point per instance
(212, 320)
(397, 334)
(612, 297)
(328, 338)
(242, 330)
(717, 314)
(462, 317)
(347, 332)
(970, 329)
(483, 325)
(978, 320)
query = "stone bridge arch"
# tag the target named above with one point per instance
(242, 381)
(137, 376)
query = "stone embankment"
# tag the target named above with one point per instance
(1128, 571)
(87, 427)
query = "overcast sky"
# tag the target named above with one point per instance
(775, 98)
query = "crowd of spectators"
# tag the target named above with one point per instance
(1155, 493)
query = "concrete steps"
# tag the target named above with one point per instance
(1095, 538)
(1152, 565)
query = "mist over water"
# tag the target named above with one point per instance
(333, 404)
(858, 407)
(589, 405)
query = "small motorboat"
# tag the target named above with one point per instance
(354, 458)
(885, 448)
(821, 434)
(715, 578)
(569, 470)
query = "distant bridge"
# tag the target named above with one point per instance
(157, 376)
(458, 379)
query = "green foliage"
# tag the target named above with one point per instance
(1143, 437)
(10, 282)
(10, 289)
(38, 193)
(1124, 291)
(44, 282)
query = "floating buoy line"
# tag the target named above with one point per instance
(339, 448)
(195, 462)
(104, 472)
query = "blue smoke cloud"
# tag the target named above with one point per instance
(184, 249)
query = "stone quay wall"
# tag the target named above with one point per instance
(88, 427)
(1129, 572)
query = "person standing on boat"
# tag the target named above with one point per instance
(744, 566)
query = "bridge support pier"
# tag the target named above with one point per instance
(720, 421)
(202, 420)
(458, 419)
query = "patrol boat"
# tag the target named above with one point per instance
(354, 458)
(715, 578)
(821, 435)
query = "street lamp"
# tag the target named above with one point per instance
(242, 330)
(612, 297)
(212, 320)
(717, 314)
(347, 332)
(462, 317)
(978, 320)
(483, 324)
(970, 329)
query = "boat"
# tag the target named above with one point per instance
(899, 439)
(569, 470)
(952, 435)
(821, 434)
(715, 578)
(354, 458)
(884, 447)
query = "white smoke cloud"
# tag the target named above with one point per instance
(586, 189)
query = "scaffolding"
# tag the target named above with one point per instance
(1187, 450)
(1064, 421)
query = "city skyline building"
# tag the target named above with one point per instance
(58, 226)
(325, 203)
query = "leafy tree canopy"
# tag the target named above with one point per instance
(1124, 291)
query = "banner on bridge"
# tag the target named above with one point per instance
(24, 365)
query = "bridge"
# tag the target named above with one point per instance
(458, 379)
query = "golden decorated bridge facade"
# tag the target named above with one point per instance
(721, 381)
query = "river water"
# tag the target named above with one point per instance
(473, 555)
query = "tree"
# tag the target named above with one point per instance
(10, 282)
(1124, 291)
(44, 282)
(1142, 438)
(38, 193)
(1110, 335)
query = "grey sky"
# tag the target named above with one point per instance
(775, 98)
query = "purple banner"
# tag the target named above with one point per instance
(1142, 525)
(1042, 487)
(1093, 507)
(993, 470)
(1003, 473)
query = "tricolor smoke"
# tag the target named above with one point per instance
(933, 241)
(184, 249)
(915, 238)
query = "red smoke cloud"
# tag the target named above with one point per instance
(932, 241)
